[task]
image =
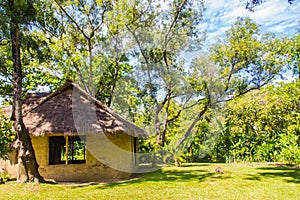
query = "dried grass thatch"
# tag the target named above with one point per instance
(72, 111)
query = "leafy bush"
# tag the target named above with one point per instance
(4, 178)
(263, 126)
(6, 136)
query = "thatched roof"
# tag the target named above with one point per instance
(72, 111)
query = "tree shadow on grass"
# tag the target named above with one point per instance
(161, 175)
(289, 174)
(168, 176)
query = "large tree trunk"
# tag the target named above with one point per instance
(26, 150)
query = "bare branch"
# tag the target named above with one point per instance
(71, 18)
(166, 40)
(146, 60)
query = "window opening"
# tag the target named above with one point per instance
(67, 150)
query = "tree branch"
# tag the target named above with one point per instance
(146, 60)
(81, 77)
(71, 18)
(166, 40)
(188, 132)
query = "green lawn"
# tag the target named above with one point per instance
(194, 181)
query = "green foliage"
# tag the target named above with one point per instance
(244, 61)
(36, 66)
(196, 145)
(290, 148)
(293, 53)
(6, 136)
(108, 75)
(35, 52)
(247, 58)
(4, 177)
(263, 126)
(128, 54)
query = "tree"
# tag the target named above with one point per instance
(245, 61)
(161, 36)
(83, 29)
(17, 16)
(262, 126)
(35, 52)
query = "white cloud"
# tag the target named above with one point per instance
(273, 15)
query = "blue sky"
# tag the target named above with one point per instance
(276, 16)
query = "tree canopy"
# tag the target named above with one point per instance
(132, 56)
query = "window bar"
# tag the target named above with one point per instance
(67, 149)
(72, 145)
(84, 149)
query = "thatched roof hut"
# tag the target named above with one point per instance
(76, 137)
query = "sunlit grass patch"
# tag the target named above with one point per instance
(191, 181)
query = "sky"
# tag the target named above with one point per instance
(276, 16)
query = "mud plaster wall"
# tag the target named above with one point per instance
(10, 166)
(108, 156)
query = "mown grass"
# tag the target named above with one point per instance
(193, 181)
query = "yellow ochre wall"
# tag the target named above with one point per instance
(115, 150)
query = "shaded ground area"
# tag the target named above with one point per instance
(191, 172)
(289, 174)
